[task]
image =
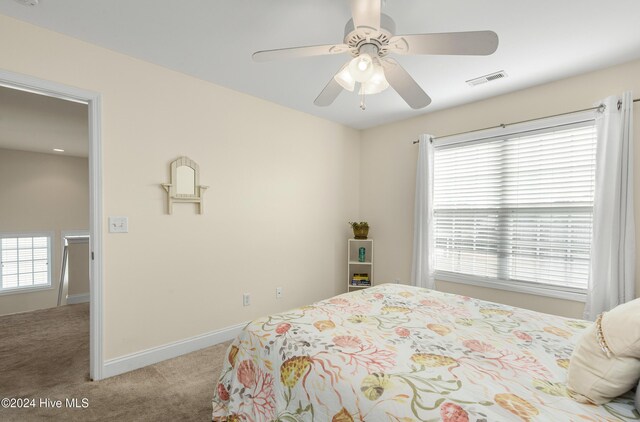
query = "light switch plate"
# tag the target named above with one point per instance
(118, 225)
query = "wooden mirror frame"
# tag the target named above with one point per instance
(172, 188)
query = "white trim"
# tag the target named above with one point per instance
(577, 295)
(93, 101)
(96, 313)
(147, 357)
(81, 298)
(41, 233)
(18, 290)
(77, 240)
(73, 233)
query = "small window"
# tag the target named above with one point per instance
(515, 212)
(25, 262)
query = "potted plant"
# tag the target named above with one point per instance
(360, 230)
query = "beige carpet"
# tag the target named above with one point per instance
(45, 355)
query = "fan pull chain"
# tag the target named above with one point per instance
(363, 106)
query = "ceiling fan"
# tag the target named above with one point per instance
(369, 37)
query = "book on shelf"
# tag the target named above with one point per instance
(360, 279)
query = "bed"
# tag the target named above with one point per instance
(401, 353)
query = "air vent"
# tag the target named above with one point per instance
(487, 78)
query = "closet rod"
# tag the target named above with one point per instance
(503, 125)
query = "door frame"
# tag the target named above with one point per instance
(93, 102)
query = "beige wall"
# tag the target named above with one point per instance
(41, 192)
(282, 185)
(388, 167)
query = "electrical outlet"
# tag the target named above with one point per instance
(278, 292)
(396, 280)
(246, 299)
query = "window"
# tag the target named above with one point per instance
(515, 212)
(24, 262)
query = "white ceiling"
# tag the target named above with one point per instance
(32, 122)
(213, 40)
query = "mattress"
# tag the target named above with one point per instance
(401, 353)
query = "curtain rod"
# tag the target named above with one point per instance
(504, 125)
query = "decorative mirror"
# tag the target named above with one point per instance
(184, 187)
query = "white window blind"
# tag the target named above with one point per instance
(24, 262)
(517, 210)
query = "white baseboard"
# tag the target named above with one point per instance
(147, 357)
(73, 299)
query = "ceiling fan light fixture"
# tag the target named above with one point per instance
(344, 78)
(361, 67)
(370, 36)
(376, 83)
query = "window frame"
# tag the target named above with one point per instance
(50, 235)
(487, 135)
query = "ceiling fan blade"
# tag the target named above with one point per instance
(366, 14)
(404, 84)
(295, 52)
(473, 43)
(329, 93)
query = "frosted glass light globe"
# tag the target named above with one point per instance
(361, 68)
(376, 83)
(345, 79)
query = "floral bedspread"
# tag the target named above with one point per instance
(401, 353)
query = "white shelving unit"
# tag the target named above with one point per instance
(355, 266)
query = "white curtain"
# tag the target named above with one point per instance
(611, 277)
(423, 241)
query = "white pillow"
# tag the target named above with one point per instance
(605, 364)
(621, 329)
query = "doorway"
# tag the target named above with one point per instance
(92, 101)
